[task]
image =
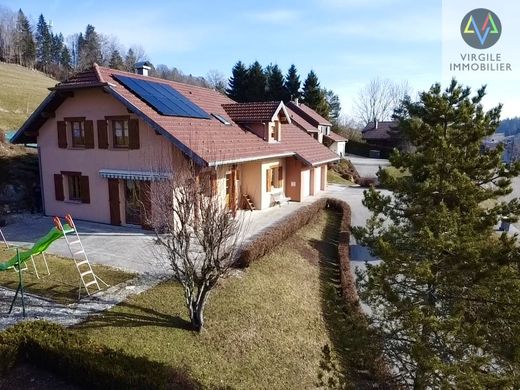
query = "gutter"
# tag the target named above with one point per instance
(33, 116)
(248, 159)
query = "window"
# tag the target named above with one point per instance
(77, 129)
(274, 178)
(120, 131)
(74, 183)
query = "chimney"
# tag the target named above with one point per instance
(296, 101)
(376, 123)
(142, 67)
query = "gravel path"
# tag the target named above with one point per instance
(38, 308)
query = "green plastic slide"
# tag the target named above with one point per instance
(41, 246)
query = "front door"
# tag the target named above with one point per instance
(133, 202)
(113, 200)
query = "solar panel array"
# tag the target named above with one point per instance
(162, 97)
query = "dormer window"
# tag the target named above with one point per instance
(275, 131)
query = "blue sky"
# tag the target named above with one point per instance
(347, 42)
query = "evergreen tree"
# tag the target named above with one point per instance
(25, 41)
(90, 49)
(275, 85)
(334, 105)
(56, 48)
(237, 83)
(130, 60)
(66, 59)
(292, 84)
(43, 44)
(446, 296)
(255, 83)
(116, 61)
(314, 95)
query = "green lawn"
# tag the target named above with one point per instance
(335, 178)
(21, 92)
(63, 282)
(265, 327)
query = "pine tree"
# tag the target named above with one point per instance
(116, 61)
(90, 49)
(292, 84)
(25, 41)
(237, 83)
(334, 105)
(275, 85)
(66, 59)
(130, 60)
(56, 48)
(446, 296)
(314, 95)
(43, 44)
(256, 83)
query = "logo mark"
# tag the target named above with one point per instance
(481, 28)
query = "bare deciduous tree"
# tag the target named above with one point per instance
(217, 80)
(198, 233)
(378, 99)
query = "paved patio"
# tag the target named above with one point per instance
(132, 249)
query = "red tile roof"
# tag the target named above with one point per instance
(301, 122)
(252, 112)
(379, 132)
(207, 141)
(308, 114)
(336, 137)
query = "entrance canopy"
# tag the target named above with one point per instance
(133, 175)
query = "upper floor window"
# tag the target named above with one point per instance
(77, 128)
(120, 132)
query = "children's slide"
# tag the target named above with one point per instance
(41, 246)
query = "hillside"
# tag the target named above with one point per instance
(21, 92)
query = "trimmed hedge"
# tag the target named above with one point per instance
(80, 360)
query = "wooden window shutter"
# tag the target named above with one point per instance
(102, 132)
(133, 134)
(89, 134)
(58, 187)
(213, 183)
(62, 134)
(269, 178)
(280, 176)
(146, 204)
(84, 189)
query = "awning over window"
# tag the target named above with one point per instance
(133, 175)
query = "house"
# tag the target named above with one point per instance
(315, 125)
(379, 134)
(106, 136)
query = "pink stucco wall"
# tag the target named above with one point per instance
(155, 153)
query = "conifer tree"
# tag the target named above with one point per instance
(66, 59)
(130, 60)
(25, 41)
(90, 49)
(334, 105)
(292, 84)
(256, 83)
(43, 44)
(446, 296)
(116, 61)
(237, 83)
(314, 95)
(275, 83)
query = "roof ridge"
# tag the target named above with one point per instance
(98, 73)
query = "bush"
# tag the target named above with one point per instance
(82, 361)
(368, 182)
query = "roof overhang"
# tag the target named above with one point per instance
(248, 159)
(281, 107)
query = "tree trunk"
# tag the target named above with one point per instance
(197, 316)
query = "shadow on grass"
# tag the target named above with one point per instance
(352, 341)
(133, 316)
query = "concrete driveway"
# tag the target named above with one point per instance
(367, 167)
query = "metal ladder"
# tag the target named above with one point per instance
(86, 275)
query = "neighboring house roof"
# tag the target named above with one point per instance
(308, 114)
(378, 131)
(335, 137)
(299, 121)
(206, 141)
(255, 111)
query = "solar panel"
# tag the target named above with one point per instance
(163, 98)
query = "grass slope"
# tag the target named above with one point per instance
(22, 91)
(265, 327)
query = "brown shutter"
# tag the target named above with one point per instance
(269, 179)
(89, 134)
(58, 187)
(133, 134)
(113, 200)
(146, 204)
(280, 176)
(213, 183)
(84, 189)
(102, 134)
(62, 134)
